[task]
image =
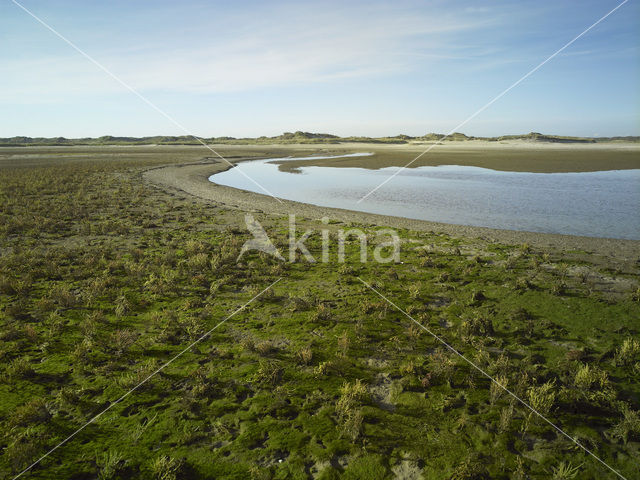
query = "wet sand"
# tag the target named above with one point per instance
(514, 156)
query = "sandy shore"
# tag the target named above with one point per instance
(193, 179)
(514, 156)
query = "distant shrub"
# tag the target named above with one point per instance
(269, 373)
(122, 340)
(323, 313)
(628, 427)
(442, 366)
(477, 297)
(32, 412)
(628, 351)
(323, 368)
(559, 288)
(195, 247)
(496, 389)
(349, 415)
(414, 291)
(264, 348)
(198, 262)
(565, 471)
(63, 296)
(478, 326)
(23, 448)
(590, 378)
(304, 355)
(542, 398)
(166, 468)
(506, 417)
(110, 464)
(470, 469)
(19, 368)
(343, 344)
(298, 304)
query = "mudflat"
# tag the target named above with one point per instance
(514, 156)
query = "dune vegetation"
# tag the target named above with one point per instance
(298, 137)
(104, 278)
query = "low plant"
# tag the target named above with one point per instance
(628, 352)
(304, 355)
(628, 427)
(478, 326)
(542, 398)
(349, 415)
(506, 417)
(323, 313)
(269, 373)
(497, 388)
(565, 471)
(110, 464)
(590, 378)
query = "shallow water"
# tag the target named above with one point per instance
(597, 204)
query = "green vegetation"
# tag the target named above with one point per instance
(104, 278)
(297, 137)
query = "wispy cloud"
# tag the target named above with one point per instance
(279, 47)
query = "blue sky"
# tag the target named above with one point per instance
(349, 68)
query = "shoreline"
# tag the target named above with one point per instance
(507, 156)
(193, 179)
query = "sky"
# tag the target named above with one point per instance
(220, 68)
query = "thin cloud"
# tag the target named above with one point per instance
(291, 49)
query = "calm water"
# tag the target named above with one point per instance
(598, 204)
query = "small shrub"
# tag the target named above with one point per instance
(111, 464)
(122, 306)
(166, 468)
(559, 288)
(477, 297)
(265, 348)
(470, 469)
(478, 326)
(628, 352)
(322, 369)
(414, 291)
(349, 415)
(590, 378)
(122, 340)
(343, 344)
(565, 471)
(63, 296)
(506, 417)
(523, 284)
(542, 398)
(34, 411)
(269, 373)
(352, 425)
(304, 355)
(323, 313)
(442, 366)
(298, 304)
(23, 448)
(496, 389)
(628, 427)
(19, 368)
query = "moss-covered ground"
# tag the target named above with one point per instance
(104, 278)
